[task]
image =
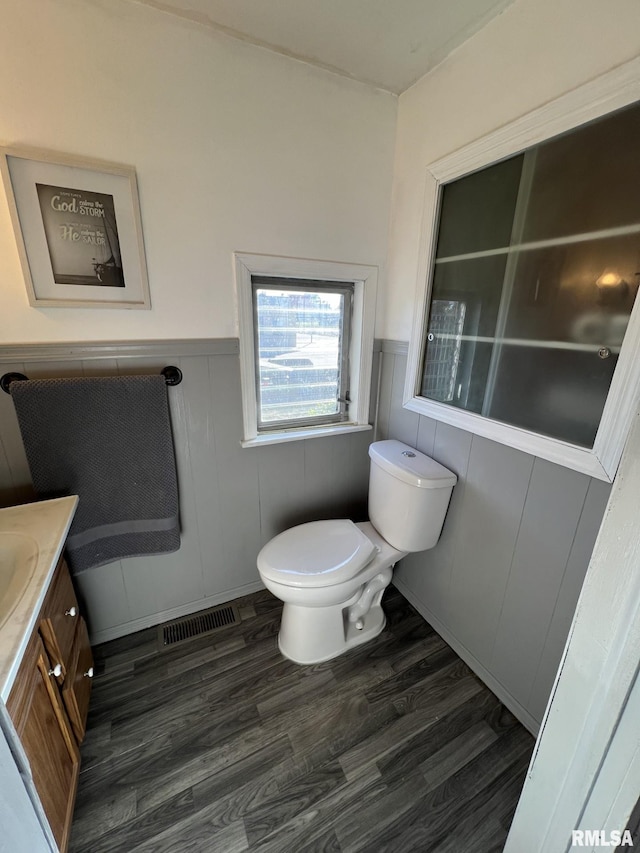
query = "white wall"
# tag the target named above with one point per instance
(535, 51)
(235, 148)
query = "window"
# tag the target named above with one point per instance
(532, 278)
(302, 333)
(306, 345)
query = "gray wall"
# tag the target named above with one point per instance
(502, 584)
(233, 499)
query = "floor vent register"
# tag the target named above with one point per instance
(205, 622)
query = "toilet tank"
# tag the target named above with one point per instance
(408, 495)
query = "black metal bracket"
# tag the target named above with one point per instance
(8, 378)
(172, 376)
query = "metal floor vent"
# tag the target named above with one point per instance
(201, 623)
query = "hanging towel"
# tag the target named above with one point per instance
(108, 440)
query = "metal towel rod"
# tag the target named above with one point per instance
(172, 376)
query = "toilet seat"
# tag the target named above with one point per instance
(320, 553)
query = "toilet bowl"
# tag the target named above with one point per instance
(321, 617)
(331, 575)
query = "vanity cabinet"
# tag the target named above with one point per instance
(49, 700)
(43, 728)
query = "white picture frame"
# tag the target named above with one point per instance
(78, 230)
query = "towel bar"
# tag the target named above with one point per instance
(172, 376)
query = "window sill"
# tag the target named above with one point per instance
(301, 434)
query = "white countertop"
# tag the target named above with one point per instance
(48, 523)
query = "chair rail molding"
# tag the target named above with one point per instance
(95, 350)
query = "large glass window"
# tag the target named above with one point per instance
(534, 277)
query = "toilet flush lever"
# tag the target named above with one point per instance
(408, 453)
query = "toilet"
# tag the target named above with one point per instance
(331, 575)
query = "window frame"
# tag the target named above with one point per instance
(304, 285)
(614, 90)
(360, 350)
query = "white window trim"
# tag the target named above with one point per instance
(611, 91)
(365, 279)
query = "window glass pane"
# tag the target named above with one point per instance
(558, 294)
(299, 354)
(522, 332)
(477, 281)
(470, 292)
(560, 393)
(587, 180)
(476, 212)
(441, 368)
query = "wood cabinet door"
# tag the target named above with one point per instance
(59, 619)
(76, 689)
(42, 725)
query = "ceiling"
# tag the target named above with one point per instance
(386, 43)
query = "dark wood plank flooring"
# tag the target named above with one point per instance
(220, 744)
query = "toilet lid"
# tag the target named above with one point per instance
(321, 553)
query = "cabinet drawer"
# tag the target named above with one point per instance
(59, 619)
(76, 688)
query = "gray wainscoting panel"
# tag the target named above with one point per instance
(105, 367)
(157, 584)
(426, 435)
(495, 490)
(403, 424)
(334, 475)
(237, 467)
(232, 499)
(197, 461)
(549, 522)
(581, 550)
(103, 597)
(503, 581)
(385, 385)
(430, 571)
(281, 486)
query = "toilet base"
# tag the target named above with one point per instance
(315, 634)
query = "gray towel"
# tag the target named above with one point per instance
(108, 440)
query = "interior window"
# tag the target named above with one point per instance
(533, 281)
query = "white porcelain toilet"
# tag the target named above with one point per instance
(331, 574)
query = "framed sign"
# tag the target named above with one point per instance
(78, 230)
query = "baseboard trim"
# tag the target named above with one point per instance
(463, 652)
(153, 619)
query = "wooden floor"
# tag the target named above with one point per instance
(220, 744)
